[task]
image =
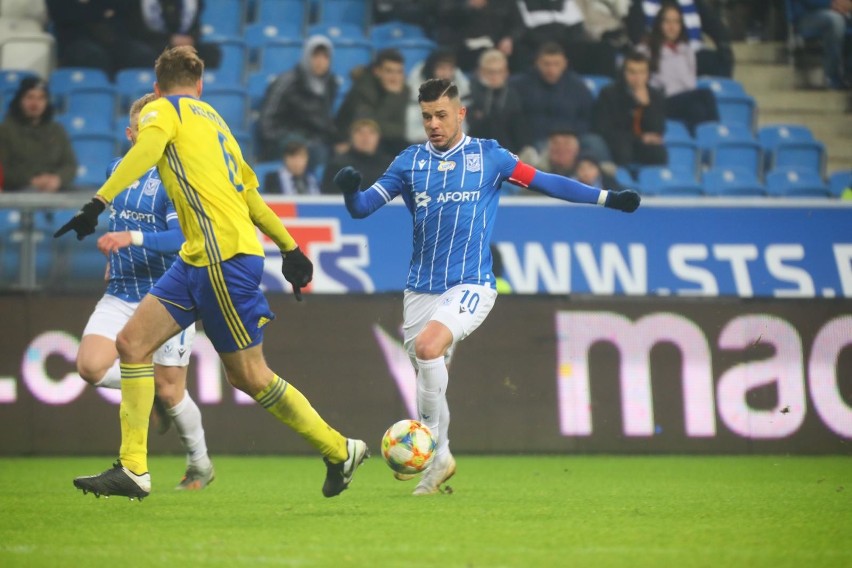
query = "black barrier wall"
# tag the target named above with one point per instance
(543, 374)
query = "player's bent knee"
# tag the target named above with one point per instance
(427, 349)
(90, 374)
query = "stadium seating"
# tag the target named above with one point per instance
(231, 103)
(256, 88)
(279, 56)
(234, 57)
(82, 124)
(793, 183)
(94, 154)
(736, 109)
(337, 32)
(665, 181)
(223, 18)
(130, 84)
(721, 145)
(839, 182)
(732, 182)
(352, 12)
(624, 177)
(24, 9)
(721, 86)
(791, 146)
(260, 33)
(67, 79)
(382, 35)
(414, 51)
(290, 14)
(349, 55)
(684, 155)
(95, 105)
(676, 131)
(596, 82)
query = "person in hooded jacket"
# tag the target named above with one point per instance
(34, 149)
(299, 104)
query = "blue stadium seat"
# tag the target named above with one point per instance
(257, 85)
(738, 154)
(350, 54)
(676, 131)
(624, 177)
(81, 124)
(260, 33)
(710, 135)
(66, 79)
(414, 51)
(736, 109)
(223, 18)
(798, 155)
(11, 78)
(96, 105)
(771, 135)
(596, 82)
(279, 56)
(243, 138)
(284, 13)
(231, 103)
(793, 183)
(234, 57)
(344, 12)
(684, 155)
(839, 182)
(337, 31)
(130, 84)
(94, 154)
(263, 168)
(344, 84)
(122, 144)
(721, 86)
(732, 182)
(665, 181)
(386, 33)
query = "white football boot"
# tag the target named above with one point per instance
(442, 468)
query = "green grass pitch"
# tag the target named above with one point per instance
(528, 511)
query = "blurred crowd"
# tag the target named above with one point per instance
(575, 87)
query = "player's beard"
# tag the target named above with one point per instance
(451, 140)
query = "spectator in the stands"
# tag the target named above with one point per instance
(34, 149)
(161, 24)
(554, 97)
(364, 155)
(441, 64)
(379, 93)
(561, 154)
(673, 70)
(589, 171)
(293, 177)
(631, 116)
(298, 104)
(97, 33)
(495, 109)
(469, 27)
(561, 22)
(831, 21)
(700, 20)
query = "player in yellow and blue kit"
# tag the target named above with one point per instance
(215, 279)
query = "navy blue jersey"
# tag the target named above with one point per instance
(145, 207)
(452, 197)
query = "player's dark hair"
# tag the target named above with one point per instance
(294, 147)
(550, 48)
(389, 54)
(434, 89)
(178, 67)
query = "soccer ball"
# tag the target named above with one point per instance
(408, 447)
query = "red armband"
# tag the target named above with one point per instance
(523, 174)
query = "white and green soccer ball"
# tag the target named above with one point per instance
(408, 447)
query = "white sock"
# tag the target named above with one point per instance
(187, 418)
(112, 378)
(432, 380)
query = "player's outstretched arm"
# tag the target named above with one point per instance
(359, 203)
(568, 189)
(296, 267)
(142, 157)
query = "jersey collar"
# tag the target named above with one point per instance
(438, 154)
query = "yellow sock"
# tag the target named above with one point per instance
(291, 407)
(137, 398)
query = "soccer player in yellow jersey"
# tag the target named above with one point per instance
(215, 279)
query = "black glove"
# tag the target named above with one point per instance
(297, 270)
(348, 180)
(627, 200)
(85, 221)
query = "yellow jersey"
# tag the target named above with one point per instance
(206, 177)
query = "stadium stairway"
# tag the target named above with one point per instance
(766, 74)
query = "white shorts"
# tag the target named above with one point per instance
(462, 309)
(111, 314)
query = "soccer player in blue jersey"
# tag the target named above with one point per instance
(216, 277)
(143, 240)
(450, 185)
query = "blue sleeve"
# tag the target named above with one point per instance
(363, 203)
(564, 188)
(167, 241)
(506, 161)
(111, 167)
